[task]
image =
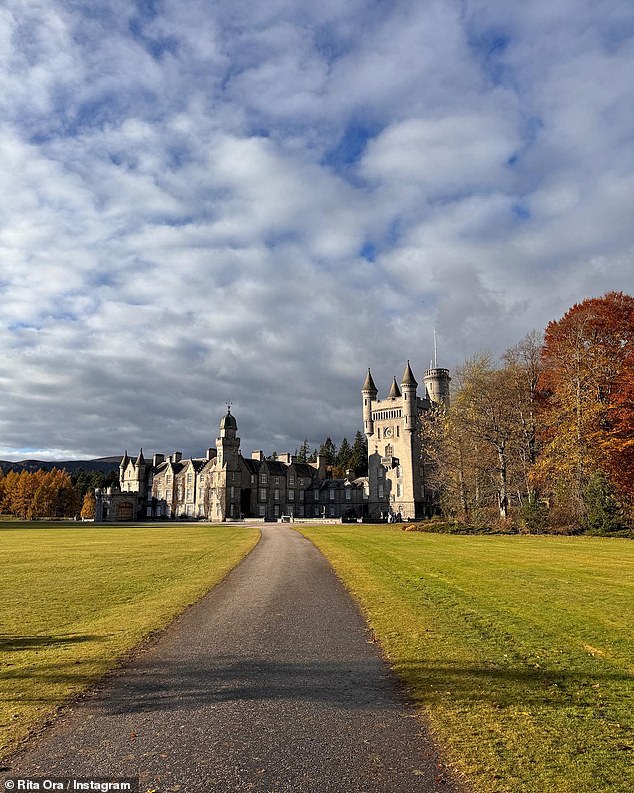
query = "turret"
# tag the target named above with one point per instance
(409, 386)
(394, 390)
(227, 444)
(369, 392)
(437, 384)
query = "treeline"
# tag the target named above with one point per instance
(347, 457)
(543, 439)
(31, 495)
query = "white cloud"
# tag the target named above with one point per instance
(255, 201)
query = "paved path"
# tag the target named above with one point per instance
(269, 683)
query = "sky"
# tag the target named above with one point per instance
(236, 201)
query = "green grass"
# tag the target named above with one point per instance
(74, 600)
(519, 650)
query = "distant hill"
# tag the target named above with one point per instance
(104, 464)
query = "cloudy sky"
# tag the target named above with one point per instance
(254, 201)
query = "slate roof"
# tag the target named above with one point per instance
(368, 384)
(408, 376)
(394, 391)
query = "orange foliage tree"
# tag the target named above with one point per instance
(38, 494)
(585, 413)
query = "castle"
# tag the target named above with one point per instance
(224, 485)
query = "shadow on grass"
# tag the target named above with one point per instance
(10, 643)
(168, 685)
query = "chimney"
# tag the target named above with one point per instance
(157, 460)
(258, 454)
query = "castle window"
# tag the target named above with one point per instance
(277, 480)
(291, 480)
(380, 491)
(253, 478)
(389, 450)
(276, 494)
(262, 479)
(262, 494)
(316, 495)
(348, 494)
(291, 495)
(189, 479)
(276, 510)
(332, 511)
(262, 510)
(232, 492)
(301, 495)
(331, 494)
(398, 490)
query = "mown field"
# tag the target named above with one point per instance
(74, 599)
(519, 650)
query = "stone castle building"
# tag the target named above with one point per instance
(396, 457)
(224, 485)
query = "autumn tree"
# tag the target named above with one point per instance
(618, 441)
(523, 367)
(584, 384)
(88, 506)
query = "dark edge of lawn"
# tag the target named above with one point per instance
(119, 664)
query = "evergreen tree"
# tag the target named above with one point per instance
(328, 452)
(303, 454)
(344, 455)
(358, 460)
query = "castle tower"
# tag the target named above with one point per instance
(228, 442)
(141, 475)
(369, 393)
(409, 386)
(393, 447)
(437, 384)
(226, 477)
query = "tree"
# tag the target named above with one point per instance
(359, 455)
(304, 451)
(587, 365)
(88, 506)
(344, 455)
(484, 418)
(328, 452)
(523, 365)
(618, 442)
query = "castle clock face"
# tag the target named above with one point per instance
(388, 432)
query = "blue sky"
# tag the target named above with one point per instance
(244, 201)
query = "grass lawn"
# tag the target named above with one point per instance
(74, 599)
(519, 650)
